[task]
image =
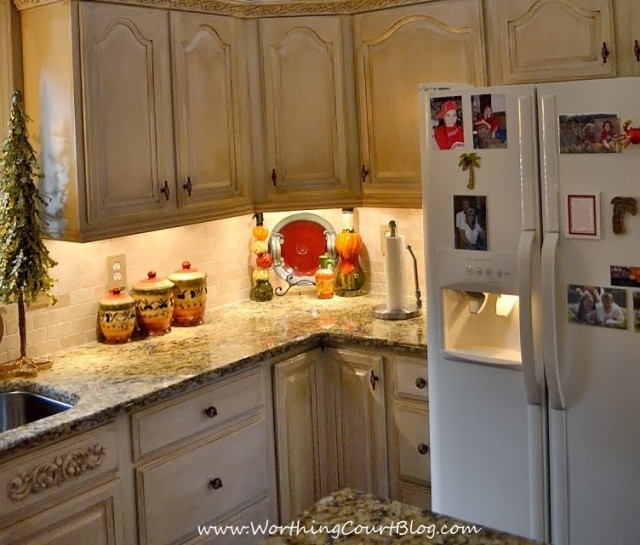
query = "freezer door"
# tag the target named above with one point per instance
(592, 362)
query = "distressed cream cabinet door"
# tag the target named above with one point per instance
(311, 141)
(357, 383)
(301, 423)
(396, 50)
(10, 69)
(127, 113)
(549, 40)
(210, 93)
(627, 29)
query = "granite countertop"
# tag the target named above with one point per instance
(103, 381)
(345, 516)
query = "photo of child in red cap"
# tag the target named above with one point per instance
(449, 132)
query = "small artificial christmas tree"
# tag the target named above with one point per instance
(24, 259)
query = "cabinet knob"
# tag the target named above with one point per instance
(274, 177)
(636, 50)
(211, 411)
(421, 383)
(216, 483)
(188, 186)
(604, 52)
(165, 189)
(423, 449)
(373, 378)
(363, 174)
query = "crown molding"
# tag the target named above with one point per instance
(250, 10)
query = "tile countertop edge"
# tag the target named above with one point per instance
(241, 336)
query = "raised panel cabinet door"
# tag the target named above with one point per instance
(307, 126)
(300, 433)
(397, 50)
(360, 419)
(127, 112)
(549, 40)
(209, 92)
(627, 36)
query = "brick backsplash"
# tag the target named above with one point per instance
(219, 248)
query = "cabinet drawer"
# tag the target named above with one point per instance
(200, 486)
(411, 378)
(257, 515)
(413, 442)
(205, 410)
(420, 496)
(56, 470)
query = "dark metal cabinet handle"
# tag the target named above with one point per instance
(211, 411)
(274, 177)
(604, 52)
(216, 483)
(636, 50)
(165, 189)
(363, 174)
(420, 383)
(423, 449)
(373, 379)
(188, 186)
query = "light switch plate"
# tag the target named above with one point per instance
(116, 271)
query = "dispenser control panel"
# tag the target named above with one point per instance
(479, 271)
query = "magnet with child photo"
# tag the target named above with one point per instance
(489, 121)
(598, 306)
(448, 130)
(590, 133)
(470, 222)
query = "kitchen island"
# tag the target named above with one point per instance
(103, 381)
(345, 516)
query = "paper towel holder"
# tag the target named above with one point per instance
(410, 311)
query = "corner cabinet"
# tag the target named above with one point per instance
(395, 51)
(138, 116)
(309, 113)
(550, 40)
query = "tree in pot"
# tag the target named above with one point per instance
(24, 259)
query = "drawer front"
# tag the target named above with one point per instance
(420, 496)
(411, 378)
(200, 486)
(50, 472)
(413, 442)
(204, 411)
(250, 522)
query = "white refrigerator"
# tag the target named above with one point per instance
(532, 248)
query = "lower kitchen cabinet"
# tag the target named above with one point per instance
(355, 418)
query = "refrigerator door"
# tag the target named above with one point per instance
(485, 379)
(592, 371)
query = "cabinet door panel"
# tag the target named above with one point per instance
(127, 111)
(207, 93)
(412, 425)
(306, 120)
(524, 53)
(417, 45)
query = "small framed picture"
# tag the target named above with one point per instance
(582, 215)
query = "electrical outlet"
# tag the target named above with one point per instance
(384, 231)
(116, 271)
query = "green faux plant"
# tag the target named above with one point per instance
(24, 259)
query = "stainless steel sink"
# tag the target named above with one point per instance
(19, 408)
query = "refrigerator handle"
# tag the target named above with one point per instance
(549, 333)
(528, 156)
(549, 164)
(525, 253)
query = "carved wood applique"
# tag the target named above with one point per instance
(622, 205)
(55, 473)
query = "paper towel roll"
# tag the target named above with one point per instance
(396, 278)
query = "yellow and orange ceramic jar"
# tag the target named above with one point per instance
(154, 304)
(117, 317)
(189, 295)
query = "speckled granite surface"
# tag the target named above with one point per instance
(104, 380)
(345, 516)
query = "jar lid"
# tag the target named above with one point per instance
(116, 298)
(151, 283)
(186, 273)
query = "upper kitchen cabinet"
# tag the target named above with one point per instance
(137, 116)
(10, 63)
(309, 113)
(396, 50)
(627, 28)
(548, 40)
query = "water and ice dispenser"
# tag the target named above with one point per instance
(479, 307)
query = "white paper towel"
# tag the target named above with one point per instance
(396, 278)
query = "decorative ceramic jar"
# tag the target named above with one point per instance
(350, 276)
(325, 278)
(154, 304)
(189, 295)
(117, 317)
